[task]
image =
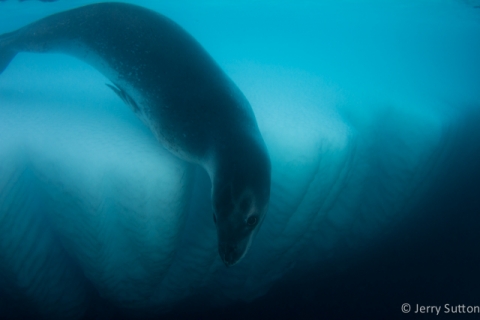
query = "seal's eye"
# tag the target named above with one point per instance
(252, 220)
(214, 218)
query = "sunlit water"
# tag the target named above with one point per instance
(370, 111)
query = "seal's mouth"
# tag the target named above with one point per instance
(231, 254)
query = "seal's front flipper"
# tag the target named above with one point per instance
(125, 97)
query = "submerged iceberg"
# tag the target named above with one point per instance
(369, 112)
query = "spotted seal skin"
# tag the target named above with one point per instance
(180, 93)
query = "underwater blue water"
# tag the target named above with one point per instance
(370, 111)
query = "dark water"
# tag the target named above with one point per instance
(370, 112)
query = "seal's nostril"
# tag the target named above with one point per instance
(228, 253)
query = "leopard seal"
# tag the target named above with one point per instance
(192, 107)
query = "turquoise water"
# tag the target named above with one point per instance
(370, 113)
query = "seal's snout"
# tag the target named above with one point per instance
(229, 254)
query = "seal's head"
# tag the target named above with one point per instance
(240, 197)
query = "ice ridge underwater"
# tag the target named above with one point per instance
(369, 112)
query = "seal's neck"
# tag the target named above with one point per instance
(242, 165)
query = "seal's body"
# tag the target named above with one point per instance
(181, 94)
